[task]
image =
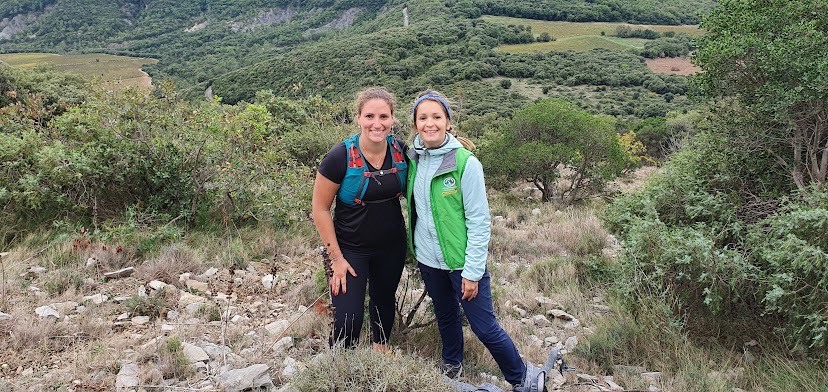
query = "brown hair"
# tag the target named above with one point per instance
(468, 144)
(374, 93)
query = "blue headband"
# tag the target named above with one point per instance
(434, 97)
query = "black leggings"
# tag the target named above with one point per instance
(381, 271)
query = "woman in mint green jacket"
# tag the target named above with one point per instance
(449, 236)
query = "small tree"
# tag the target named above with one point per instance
(553, 140)
(506, 84)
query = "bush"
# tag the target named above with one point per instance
(702, 233)
(196, 164)
(792, 250)
(172, 361)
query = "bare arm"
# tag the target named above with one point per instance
(324, 191)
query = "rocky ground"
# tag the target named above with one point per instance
(142, 328)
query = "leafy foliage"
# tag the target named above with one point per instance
(552, 140)
(676, 46)
(772, 64)
(792, 248)
(157, 155)
(239, 48)
(10, 8)
(712, 233)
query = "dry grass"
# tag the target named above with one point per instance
(548, 231)
(97, 363)
(362, 369)
(29, 341)
(311, 324)
(115, 71)
(578, 44)
(173, 261)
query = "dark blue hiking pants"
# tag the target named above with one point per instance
(444, 287)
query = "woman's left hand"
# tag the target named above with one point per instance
(469, 288)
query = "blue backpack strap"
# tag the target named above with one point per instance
(354, 184)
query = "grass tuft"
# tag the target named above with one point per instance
(152, 305)
(362, 369)
(170, 264)
(171, 360)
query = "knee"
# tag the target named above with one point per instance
(489, 331)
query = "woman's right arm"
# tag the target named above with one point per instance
(324, 191)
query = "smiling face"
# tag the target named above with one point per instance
(431, 123)
(375, 119)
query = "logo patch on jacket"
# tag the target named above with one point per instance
(449, 186)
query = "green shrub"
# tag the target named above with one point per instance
(700, 233)
(792, 250)
(172, 361)
(553, 144)
(181, 162)
(151, 305)
(210, 312)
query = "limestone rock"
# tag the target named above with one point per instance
(197, 286)
(267, 281)
(277, 327)
(547, 303)
(127, 377)
(572, 324)
(157, 285)
(96, 299)
(65, 307)
(47, 311)
(613, 386)
(251, 377)
(571, 343)
(284, 344)
(557, 313)
(541, 321)
(194, 353)
(121, 273)
(187, 299)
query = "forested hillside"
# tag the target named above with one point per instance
(332, 48)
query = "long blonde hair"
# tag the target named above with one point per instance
(467, 144)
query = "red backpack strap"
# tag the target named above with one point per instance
(354, 157)
(396, 151)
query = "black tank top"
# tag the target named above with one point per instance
(377, 224)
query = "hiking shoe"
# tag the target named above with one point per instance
(451, 371)
(534, 380)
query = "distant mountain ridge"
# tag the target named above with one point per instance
(325, 47)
